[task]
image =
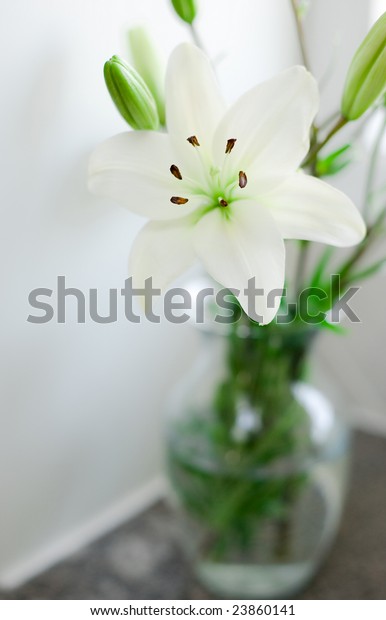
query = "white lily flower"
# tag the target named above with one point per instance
(224, 186)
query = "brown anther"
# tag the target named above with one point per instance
(242, 179)
(175, 172)
(230, 144)
(177, 200)
(193, 141)
(222, 202)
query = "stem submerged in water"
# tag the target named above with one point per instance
(250, 479)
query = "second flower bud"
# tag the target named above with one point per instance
(131, 95)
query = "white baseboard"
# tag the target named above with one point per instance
(113, 516)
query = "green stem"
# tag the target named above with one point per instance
(305, 58)
(321, 266)
(301, 267)
(369, 192)
(300, 31)
(304, 247)
(196, 37)
(372, 231)
(330, 119)
(311, 157)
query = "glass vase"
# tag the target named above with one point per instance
(258, 461)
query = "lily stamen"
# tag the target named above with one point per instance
(243, 180)
(222, 202)
(230, 144)
(193, 141)
(177, 200)
(203, 157)
(176, 172)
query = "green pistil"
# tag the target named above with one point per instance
(214, 204)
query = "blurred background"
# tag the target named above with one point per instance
(82, 404)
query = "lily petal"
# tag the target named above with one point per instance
(132, 168)
(245, 245)
(194, 105)
(162, 251)
(308, 208)
(272, 124)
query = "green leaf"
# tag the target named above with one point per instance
(332, 327)
(333, 163)
(368, 272)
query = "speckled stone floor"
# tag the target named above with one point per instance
(142, 560)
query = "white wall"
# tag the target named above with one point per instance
(81, 404)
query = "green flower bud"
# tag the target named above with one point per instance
(130, 94)
(366, 78)
(146, 62)
(186, 9)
